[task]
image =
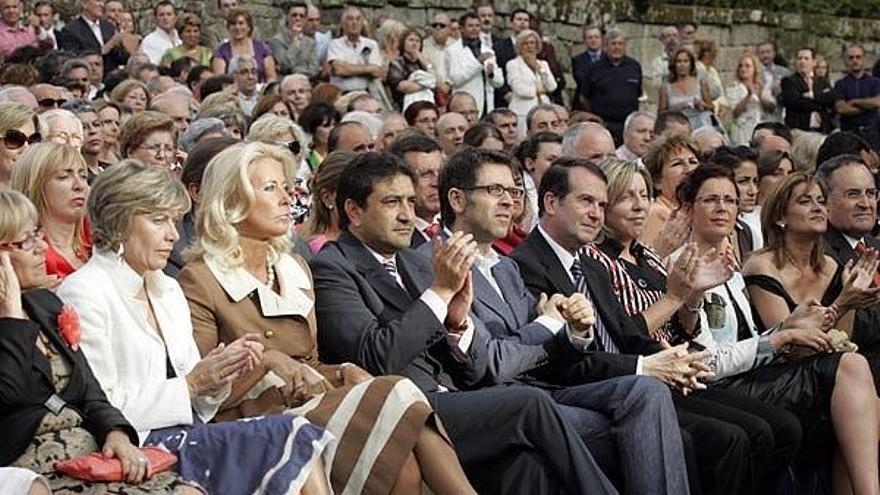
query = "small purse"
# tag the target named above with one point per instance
(96, 467)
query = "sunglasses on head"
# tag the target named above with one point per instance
(14, 139)
(294, 147)
(50, 102)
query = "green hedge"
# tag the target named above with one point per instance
(841, 8)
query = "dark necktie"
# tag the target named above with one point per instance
(599, 330)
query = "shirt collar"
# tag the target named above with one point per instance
(487, 261)
(566, 258)
(381, 259)
(95, 23)
(128, 280)
(238, 283)
(851, 240)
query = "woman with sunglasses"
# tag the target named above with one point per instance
(149, 138)
(828, 392)
(54, 178)
(19, 127)
(40, 360)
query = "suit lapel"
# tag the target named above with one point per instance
(369, 267)
(506, 282)
(555, 271)
(486, 295)
(43, 308)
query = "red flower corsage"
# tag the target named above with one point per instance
(68, 326)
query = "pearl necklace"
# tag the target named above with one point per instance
(270, 275)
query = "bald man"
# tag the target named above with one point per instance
(451, 127)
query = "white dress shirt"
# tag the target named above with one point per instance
(158, 42)
(96, 30)
(364, 52)
(126, 354)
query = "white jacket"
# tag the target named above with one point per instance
(468, 74)
(523, 84)
(127, 356)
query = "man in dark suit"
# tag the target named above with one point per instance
(90, 31)
(571, 201)
(580, 64)
(425, 157)
(510, 439)
(808, 100)
(476, 197)
(852, 215)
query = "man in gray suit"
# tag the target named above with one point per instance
(634, 415)
(370, 311)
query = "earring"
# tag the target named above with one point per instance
(781, 225)
(329, 207)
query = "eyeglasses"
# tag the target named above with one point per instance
(66, 138)
(30, 240)
(158, 149)
(497, 190)
(438, 25)
(15, 139)
(51, 102)
(715, 200)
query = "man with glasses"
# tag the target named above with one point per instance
(294, 52)
(48, 97)
(433, 46)
(92, 138)
(859, 98)
(244, 70)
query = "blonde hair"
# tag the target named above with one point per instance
(127, 189)
(219, 99)
(226, 198)
(139, 126)
(16, 213)
(34, 169)
(270, 127)
(524, 35)
(125, 87)
(619, 175)
(15, 115)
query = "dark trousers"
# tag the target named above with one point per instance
(742, 445)
(513, 439)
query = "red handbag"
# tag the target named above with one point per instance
(96, 467)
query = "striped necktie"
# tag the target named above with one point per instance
(390, 266)
(580, 284)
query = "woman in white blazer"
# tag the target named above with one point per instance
(138, 338)
(530, 79)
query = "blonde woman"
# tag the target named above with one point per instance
(53, 176)
(131, 94)
(530, 79)
(748, 99)
(242, 278)
(19, 128)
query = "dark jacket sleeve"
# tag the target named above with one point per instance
(793, 98)
(17, 352)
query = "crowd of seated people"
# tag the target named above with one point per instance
(395, 259)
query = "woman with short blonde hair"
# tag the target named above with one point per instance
(131, 94)
(54, 177)
(243, 222)
(19, 127)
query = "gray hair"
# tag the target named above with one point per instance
(128, 189)
(199, 128)
(631, 119)
(239, 60)
(372, 123)
(74, 63)
(573, 134)
(79, 106)
(51, 116)
(612, 34)
(294, 77)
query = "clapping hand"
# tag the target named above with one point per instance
(714, 268)
(453, 259)
(220, 367)
(811, 315)
(858, 277)
(675, 233)
(579, 314)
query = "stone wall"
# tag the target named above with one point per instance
(733, 29)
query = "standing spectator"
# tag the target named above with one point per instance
(773, 75)
(312, 30)
(749, 99)
(808, 100)
(707, 52)
(486, 15)
(638, 134)
(242, 42)
(244, 70)
(580, 64)
(859, 98)
(112, 10)
(433, 47)
(212, 36)
(354, 59)
(14, 34)
(684, 92)
(530, 79)
(548, 54)
(46, 27)
(412, 77)
(614, 85)
(297, 92)
(422, 115)
(90, 31)
(165, 36)
(660, 66)
(189, 27)
(506, 50)
(472, 67)
(293, 50)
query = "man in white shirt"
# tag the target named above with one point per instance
(312, 29)
(354, 60)
(472, 67)
(244, 70)
(45, 14)
(164, 36)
